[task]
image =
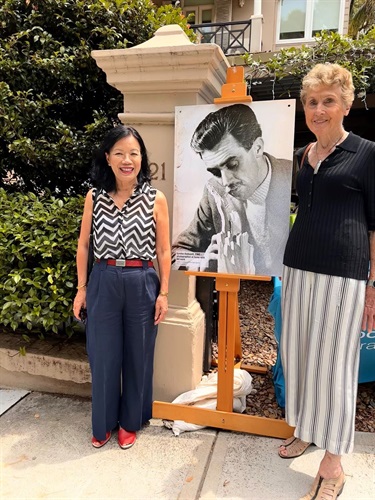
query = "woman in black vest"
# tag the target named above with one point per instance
(328, 278)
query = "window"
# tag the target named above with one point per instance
(203, 11)
(201, 14)
(303, 19)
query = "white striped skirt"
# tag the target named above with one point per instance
(320, 346)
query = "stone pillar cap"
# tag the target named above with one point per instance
(166, 36)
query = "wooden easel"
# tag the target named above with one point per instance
(228, 350)
(229, 336)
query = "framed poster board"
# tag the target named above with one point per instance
(233, 170)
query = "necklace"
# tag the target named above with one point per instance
(317, 166)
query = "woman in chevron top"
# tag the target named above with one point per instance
(125, 298)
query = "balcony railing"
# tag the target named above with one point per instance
(233, 37)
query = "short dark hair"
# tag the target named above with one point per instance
(102, 174)
(238, 120)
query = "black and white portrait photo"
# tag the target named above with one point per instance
(233, 169)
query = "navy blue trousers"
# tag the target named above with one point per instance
(120, 344)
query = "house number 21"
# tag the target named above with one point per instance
(157, 171)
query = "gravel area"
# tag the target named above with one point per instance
(259, 348)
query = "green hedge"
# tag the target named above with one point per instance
(55, 102)
(38, 242)
(357, 55)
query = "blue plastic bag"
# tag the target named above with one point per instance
(274, 308)
(367, 357)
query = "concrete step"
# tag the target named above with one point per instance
(56, 365)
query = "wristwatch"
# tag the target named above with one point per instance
(370, 283)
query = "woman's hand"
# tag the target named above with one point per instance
(368, 321)
(79, 303)
(161, 308)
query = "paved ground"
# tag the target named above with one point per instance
(46, 454)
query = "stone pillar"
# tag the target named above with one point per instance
(256, 33)
(154, 77)
(257, 7)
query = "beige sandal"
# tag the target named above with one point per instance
(326, 489)
(294, 448)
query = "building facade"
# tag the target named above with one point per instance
(283, 23)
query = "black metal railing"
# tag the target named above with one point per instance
(233, 37)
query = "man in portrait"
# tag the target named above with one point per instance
(241, 223)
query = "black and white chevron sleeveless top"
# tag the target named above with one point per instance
(128, 233)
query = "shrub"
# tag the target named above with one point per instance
(55, 103)
(358, 56)
(38, 240)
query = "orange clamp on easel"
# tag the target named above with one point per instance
(235, 88)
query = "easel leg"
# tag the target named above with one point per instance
(237, 336)
(228, 326)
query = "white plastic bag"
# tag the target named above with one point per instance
(205, 396)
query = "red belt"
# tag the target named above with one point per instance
(126, 262)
